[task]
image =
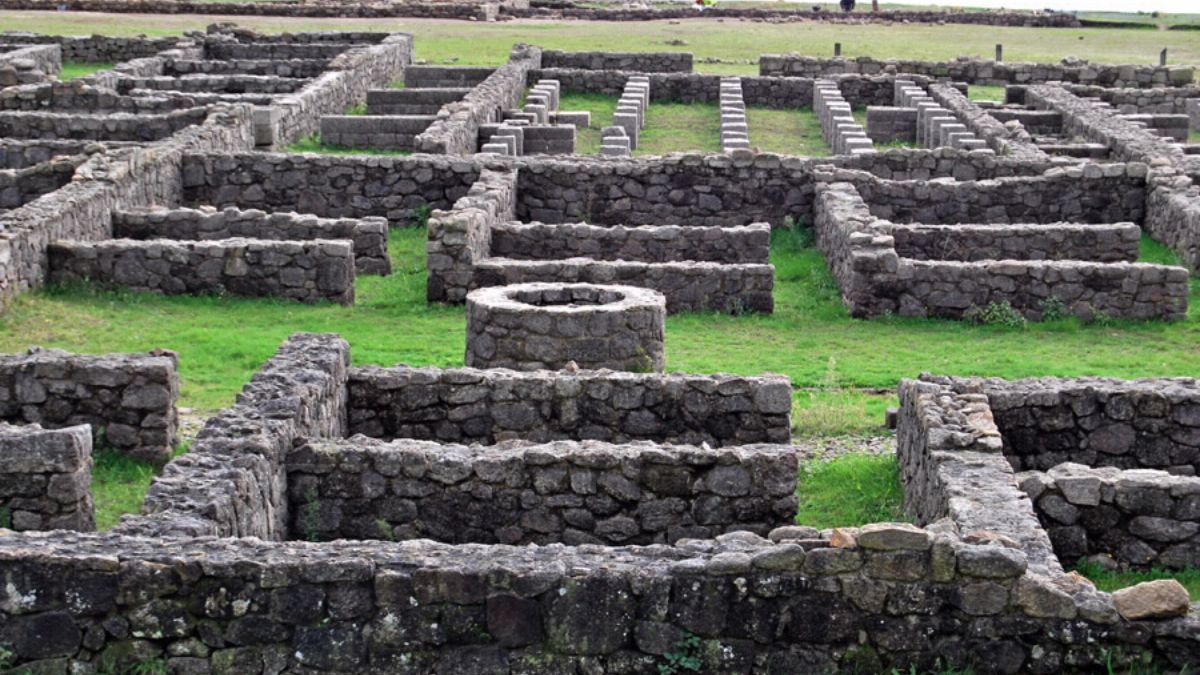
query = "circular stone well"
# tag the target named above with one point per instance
(547, 325)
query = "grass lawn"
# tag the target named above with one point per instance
(680, 127)
(601, 106)
(983, 92)
(469, 43)
(850, 490)
(72, 70)
(791, 132)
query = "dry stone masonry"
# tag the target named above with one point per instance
(46, 478)
(735, 134)
(128, 399)
(548, 326)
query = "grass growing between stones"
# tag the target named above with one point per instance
(72, 70)
(680, 127)
(119, 485)
(313, 144)
(790, 132)
(1109, 581)
(983, 92)
(601, 106)
(850, 490)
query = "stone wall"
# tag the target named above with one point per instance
(1128, 424)
(411, 100)
(79, 96)
(445, 77)
(369, 235)
(443, 9)
(94, 48)
(889, 124)
(1013, 142)
(18, 186)
(1173, 217)
(128, 399)
(306, 271)
(647, 243)
(457, 129)
(1137, 518)
(979, 71)
(460, 238)
(46, 478)
(874, 279)
(638, 62)
(1159, 100)
(1120, 242)
(395, 188)
(111, 126)
(82, 210)
(233, 480)
(568, 491)
(375, 132)
(276, 67)
(481, 406)
(17, 153)
(21, 64)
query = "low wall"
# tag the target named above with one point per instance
(1009, 141)
(306, 271)
(639, 62)
(648, 243)
(395, 188)
(18, 153)
(18, 186)
(376, 132)
(460, 238)
(888, 124)
(110, 127)
(233, 83)
(1160, 100)
(1173, 217)
(21, 64)
(482, 406)
(875, 279)
(1128, 424)
(456, 131)
(275, 67)
(1120, 242)
(127, 399)
(94, 48)
(77, 96)
(46, 478)
(411, 101)
(446, 77)
(979, 71)
(570, 492)
(233, 480)
(368, 235)
(1135, 518)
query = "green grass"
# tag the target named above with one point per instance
(983, 92)
(601, 106)
(850, 490)
(790, 132)
(481, 43)
(313, 144)
(680, 127)
(1110, 581)
(119, 485)
(72, 70)
(1194, 137)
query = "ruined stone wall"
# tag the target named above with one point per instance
(233, 480)
(348, 78)
(237, 83)
(1109, 193)
(18, 186)
(276, 67)
(328, 186)
(94, 48)
(375, 132)
(19, 153)
(567, 492)
(306, 271)
(128, 399)
(112, 126)
(1173, 216)
(369, 235)
(1160, 100)
(875, 279)
(460, 238)
(22, 64)
(979, 71)
(648, 243)
(1119, 242)
(443, 9)
(1128, 424)
(46, 478)
(1008, 141)
(640, 62)
(480, 406)
(1137, 518)
(81, 97)
(456, 131)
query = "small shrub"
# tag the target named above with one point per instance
(421, 215)
(684, 658)
(995, 314)
(1053, 309)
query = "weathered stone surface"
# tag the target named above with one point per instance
(1152, 600)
